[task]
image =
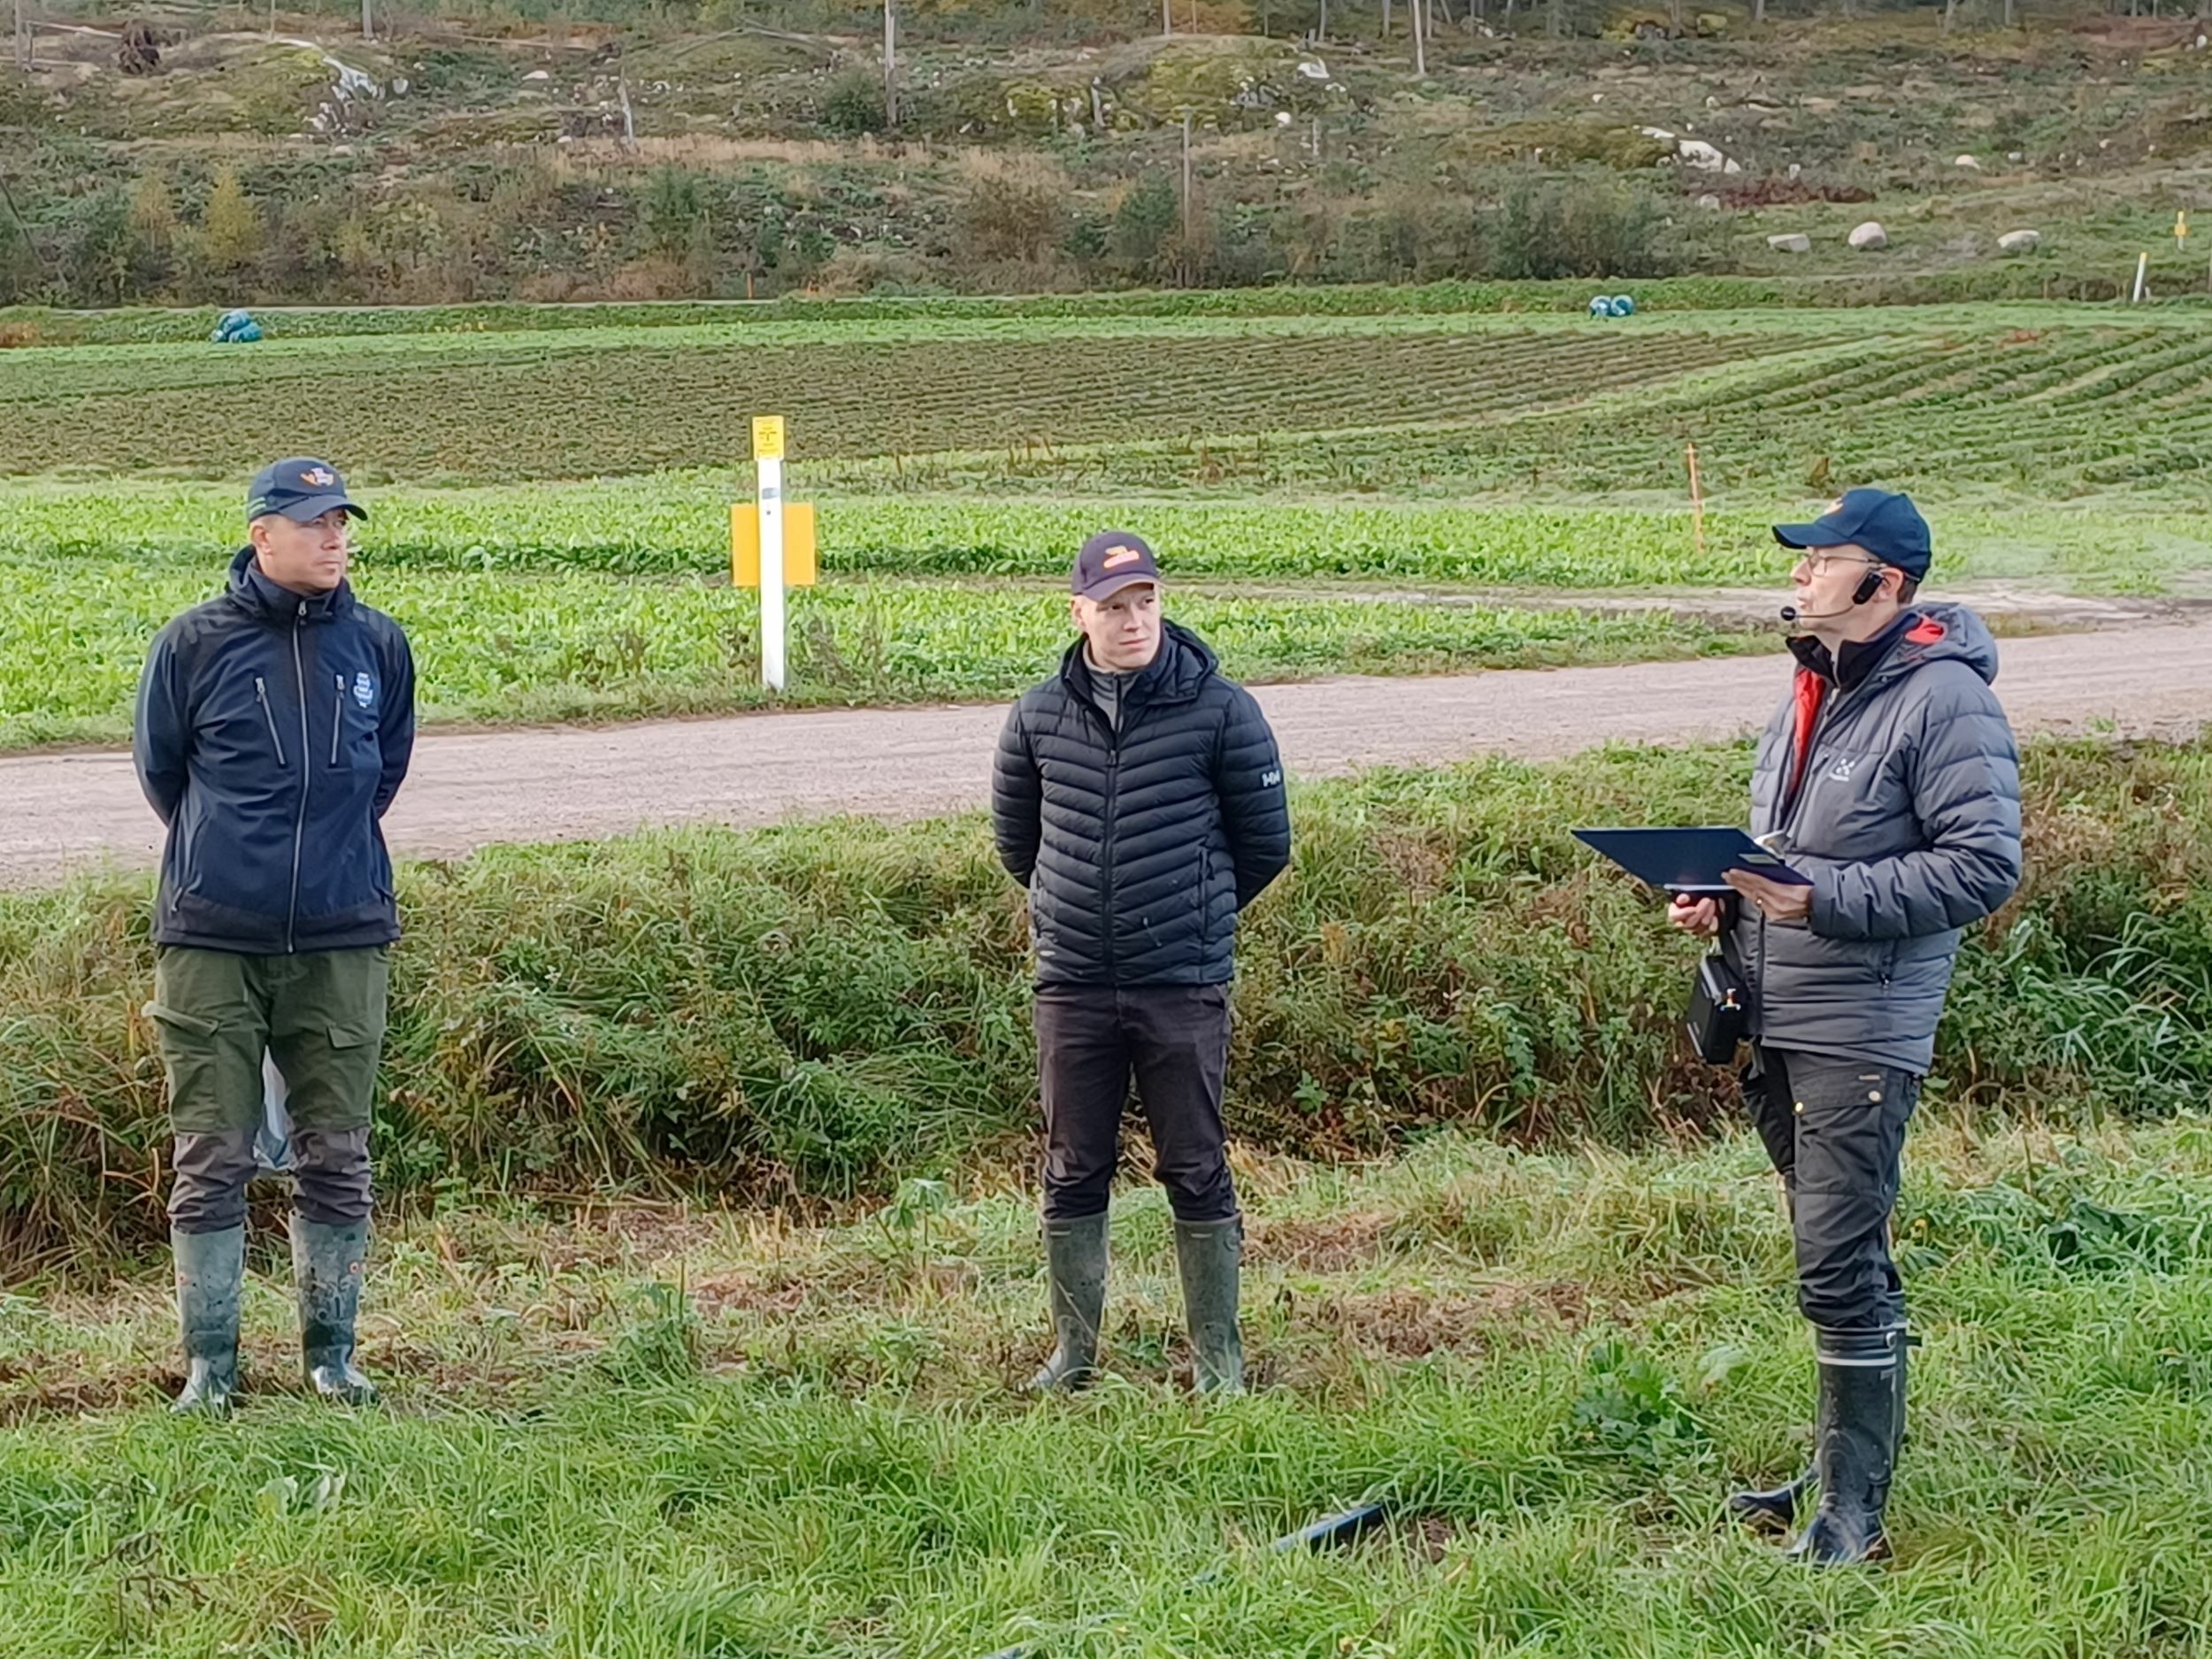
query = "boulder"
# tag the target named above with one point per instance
(2020, 241)
(1794, 241)
(1967, 162)
(1869, 237)
(1709, 202)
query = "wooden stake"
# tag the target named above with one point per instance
(1697, 501)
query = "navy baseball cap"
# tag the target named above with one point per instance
(1111, 561)
(1887, 526)
(301, 488)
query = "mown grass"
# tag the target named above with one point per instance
(823, 1010)
(655, 1433)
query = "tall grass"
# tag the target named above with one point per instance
(818, 1010)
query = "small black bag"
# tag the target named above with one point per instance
(1720, 1011)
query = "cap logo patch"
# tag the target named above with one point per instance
(1835, 506)
(1117, 558)
(318, 478)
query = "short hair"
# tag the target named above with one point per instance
(1908, 588)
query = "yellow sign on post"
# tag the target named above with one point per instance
(768, 437)
(798, 544)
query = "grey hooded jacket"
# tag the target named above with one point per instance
(1907, 819)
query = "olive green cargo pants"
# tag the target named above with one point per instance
(320, 1015)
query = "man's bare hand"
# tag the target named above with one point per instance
(1777, 901)
(1699, 917)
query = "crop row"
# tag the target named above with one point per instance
(502, 648)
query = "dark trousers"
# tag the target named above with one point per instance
(1835, 1129)
(320, 1015)
(1174, 1040)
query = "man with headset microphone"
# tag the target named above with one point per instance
(1890, 778)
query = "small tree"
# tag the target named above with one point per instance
(232, 234)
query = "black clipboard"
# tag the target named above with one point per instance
(1692, 861)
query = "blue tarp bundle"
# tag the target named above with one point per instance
(1612, 305)
(236, 328)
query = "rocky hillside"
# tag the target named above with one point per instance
(174, 155)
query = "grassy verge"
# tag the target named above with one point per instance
(659, 1435)
(825, 1008)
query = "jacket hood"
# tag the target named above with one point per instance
(1181, 667)
(253, 592)
(1941, 633)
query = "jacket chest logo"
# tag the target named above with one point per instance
(1841, 772)
(363, 688)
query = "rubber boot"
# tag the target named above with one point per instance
(1774, 1510)
(326, 1267)
(1861, 1428)
(1207, 1256)
(211, 1272)
(1075, 1270)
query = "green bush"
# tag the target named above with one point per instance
(824, 1007)
(854, 104)
(1585, 224)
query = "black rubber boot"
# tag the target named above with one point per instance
(326, 1267)
(1208, 1257)
(1861, 1428)
(1775, 1510)
(211, 1272)
(1075, 1270)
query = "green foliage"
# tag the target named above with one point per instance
(1584, 225)
(854, 104)
(830, 1008)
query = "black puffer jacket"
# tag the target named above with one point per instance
(1139, 848)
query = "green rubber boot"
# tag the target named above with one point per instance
(326, 1267)
(1207, 1256)
(211, 1272)
(1075, 1270)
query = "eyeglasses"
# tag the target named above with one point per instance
(1820, 563)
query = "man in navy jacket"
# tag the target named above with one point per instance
(274, 727)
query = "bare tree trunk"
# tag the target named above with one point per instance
(1321, 31)
(1556, 19)
(1167, 18)
(1189, 244)
(890, 64)
(1950, 16)
(1420, 38)
(1385, 32)
(1759, 10)
(22, 35)
(629, 121)
(368, 24)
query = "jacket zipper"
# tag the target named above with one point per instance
(261, 690)
(337, 718)
(299, 823)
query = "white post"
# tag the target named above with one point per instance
(768, 456)
(2142, 277)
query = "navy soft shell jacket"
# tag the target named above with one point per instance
(272, 732)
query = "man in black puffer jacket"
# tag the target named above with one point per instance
(1140, 796)
(275, 722)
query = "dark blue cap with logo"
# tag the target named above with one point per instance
(1887, 526)
(300, 488)
(1111, 561)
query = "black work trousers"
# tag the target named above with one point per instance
(1835, 1129)
(1174, 1040)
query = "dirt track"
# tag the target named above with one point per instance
(61, 811)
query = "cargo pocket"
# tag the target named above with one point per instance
(202, 1094)
(337, 1078)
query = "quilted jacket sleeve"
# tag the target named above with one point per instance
(1017, 797)
(1249, 778)
(1966, 793)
